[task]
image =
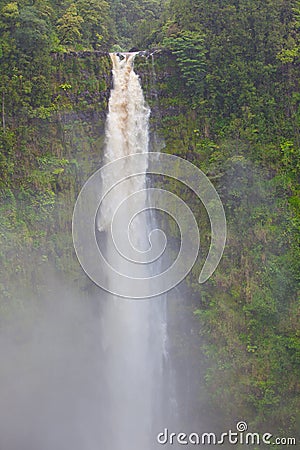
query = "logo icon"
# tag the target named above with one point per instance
(111, 201)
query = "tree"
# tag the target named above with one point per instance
(69, 26)
(188, 46)
(130, 16)
(33, 33)
(98, 28)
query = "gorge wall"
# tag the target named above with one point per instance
(246, 314)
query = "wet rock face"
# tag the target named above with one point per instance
(80, 54)
(153, 51)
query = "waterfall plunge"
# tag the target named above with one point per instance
(134, 331)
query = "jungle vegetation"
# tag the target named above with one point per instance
(226, 96)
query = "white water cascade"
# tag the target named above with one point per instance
(134, 331)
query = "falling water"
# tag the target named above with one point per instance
(134, 331)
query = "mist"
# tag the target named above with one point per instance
(51, 383)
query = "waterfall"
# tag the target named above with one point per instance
(134, 331)
(146, 381)
(126, 129)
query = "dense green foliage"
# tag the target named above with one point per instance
(135, 20)
(234, 110)
(49, 145)
(225, 96)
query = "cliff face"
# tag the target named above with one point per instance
(244, 310)
(53, 140)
